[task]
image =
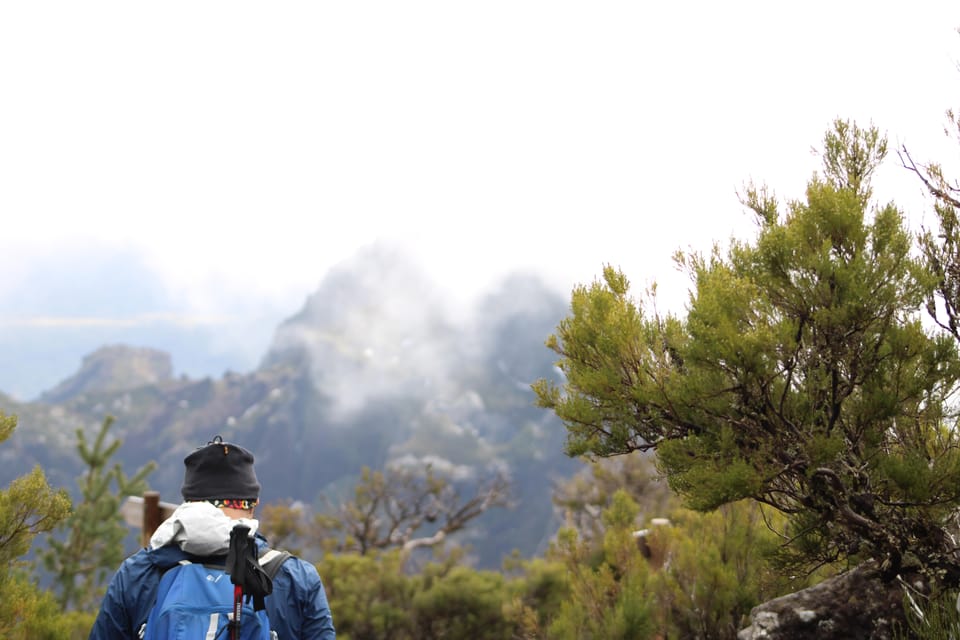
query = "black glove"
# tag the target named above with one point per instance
(243, 567)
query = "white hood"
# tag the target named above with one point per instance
(199, 528)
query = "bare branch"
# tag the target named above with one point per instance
(941, 192)
(390, 508)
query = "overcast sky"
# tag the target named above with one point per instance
(241, 149)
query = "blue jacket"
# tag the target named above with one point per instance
(297, 608)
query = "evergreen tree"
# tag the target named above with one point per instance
(93, 547)
(28, 506)
(802, 376)
(940, 246)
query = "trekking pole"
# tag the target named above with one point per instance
(249, 579)
(236, 565)
(237, 608)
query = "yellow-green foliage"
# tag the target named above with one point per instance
(28, 507)
(704, 573)
(802, 375)
(283, 524)
(537, 592)
(369, 595)
(697, 577)
(461, 603)
(27, 613)
(372, 598)
(717, 569)
(608, 599)
(719, 475)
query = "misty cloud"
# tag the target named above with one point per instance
(442, 466)
(377, 327)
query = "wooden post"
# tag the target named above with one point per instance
(151, 515)
(146, 513)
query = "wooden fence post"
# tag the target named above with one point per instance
(146, 513)
(151, 515)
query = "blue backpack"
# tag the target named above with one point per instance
(195, 602)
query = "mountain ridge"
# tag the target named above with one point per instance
(355, 378)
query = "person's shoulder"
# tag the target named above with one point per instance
(137, 568)
(161, 559)
(140, 558)
(295, 562)
(300, 570)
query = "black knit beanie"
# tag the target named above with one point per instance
(220, 471)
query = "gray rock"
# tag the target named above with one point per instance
(855, 605)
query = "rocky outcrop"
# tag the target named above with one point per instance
(855, 605)
(114, 368)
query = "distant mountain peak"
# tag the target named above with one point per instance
(114, 368)
(376, 322)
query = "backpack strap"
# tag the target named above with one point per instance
(272, 559)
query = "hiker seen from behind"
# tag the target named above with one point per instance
(207, 573)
